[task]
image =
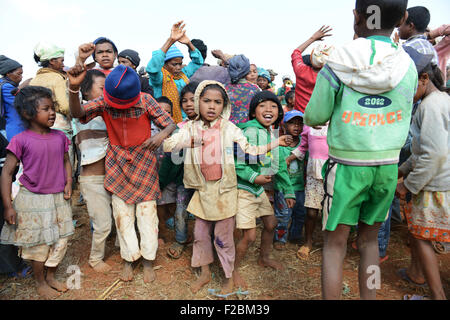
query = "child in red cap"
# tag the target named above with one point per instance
(130, 160)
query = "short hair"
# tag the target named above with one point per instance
(392, 11)
(26, 101)
(164, 99)
(190, 87)
(420, 16)
(201, 46)
(88, 81)
(290, 94)
(435, 75)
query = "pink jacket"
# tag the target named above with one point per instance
(314, 141)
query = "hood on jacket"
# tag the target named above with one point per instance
(252, 123)
(369, 66)
(49, 71)
(226, 112)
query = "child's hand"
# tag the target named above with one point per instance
(290, 159)
(323, 32)
(396, 38)
(285, 141)
(177, 31)
(153, 143)
(401, 190)
(262, 180)
(10, 215)
(217, 54)
(84, 52)
(290, 203)
(76, 75)
(68, 190)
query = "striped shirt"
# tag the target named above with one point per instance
(421, 44)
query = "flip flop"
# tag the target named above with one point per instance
(415, 297)
(303, 253)
(177, 248)
(23, 274)
(278, 245)
(225, 296)
(384, 259)
(404, 276)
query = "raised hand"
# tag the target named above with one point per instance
(178, 33)
(84, 52)
(217, 54)
(76, 75)
(323, 32)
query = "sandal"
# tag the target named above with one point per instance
(22, 274)
(415, 297)
(404, 276)
(384, 259)
(303, 253)
(175, 250)
(439, 247)
(278, 245)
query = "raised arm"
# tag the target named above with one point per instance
(76, 76)
(323, 32)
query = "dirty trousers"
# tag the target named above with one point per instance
(222, 231)
(98, 201)
(147, 223)
(51, 255)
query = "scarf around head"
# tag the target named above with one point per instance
(170, 90)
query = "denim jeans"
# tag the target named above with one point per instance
(181, 215)
(283, 232)
(384, 235)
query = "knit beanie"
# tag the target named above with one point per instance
(264, 73)
(238, 67)
(122, 88)
(131, 55)
(172, 53)
(7, 65)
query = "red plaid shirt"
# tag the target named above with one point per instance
(130, 172)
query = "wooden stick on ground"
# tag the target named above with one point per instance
(110, 290)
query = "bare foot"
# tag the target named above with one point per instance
(127, 272)
(266, 262)
(238, 281)
(204, 279)
(227, 286)
(46, 292)
(55, 284)
(149, 273)
(102, 267)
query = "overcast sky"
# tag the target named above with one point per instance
(266, 31)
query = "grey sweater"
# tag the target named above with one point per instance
(428, 168)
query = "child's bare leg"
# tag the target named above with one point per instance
(43, 289)
(429, 262)
(161, 213)
(270, 223)
(127, 271)
(227, 286)
(204, 279)
(310, 224)
(334, 250)
(52, 282)
(368, 249)
(248, 237)
(149, 273)
(415, 272)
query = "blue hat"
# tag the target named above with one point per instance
(122, 88)
(291, 115)
(173, 52)
(264, 73)
(420, 60)
(238, 67)
(104, 40)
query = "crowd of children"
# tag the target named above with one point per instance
(221, 144)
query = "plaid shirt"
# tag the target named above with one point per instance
(131, 173)
(421, 44)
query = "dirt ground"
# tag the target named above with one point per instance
(299, 280)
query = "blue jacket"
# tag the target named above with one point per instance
(14, 124)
